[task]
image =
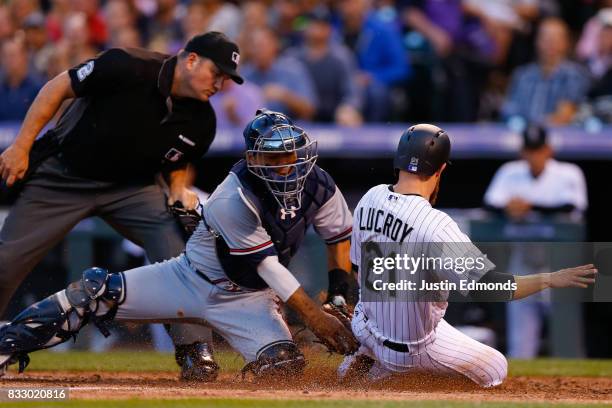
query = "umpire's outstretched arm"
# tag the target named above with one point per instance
(14, 160)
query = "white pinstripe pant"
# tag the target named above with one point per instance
(450, 353)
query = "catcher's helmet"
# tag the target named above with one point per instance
(422, 149)
(281, 155)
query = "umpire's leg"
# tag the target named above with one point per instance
(39, 219)
(140, 215)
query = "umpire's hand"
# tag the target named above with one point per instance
(187, 197)
(14, 163)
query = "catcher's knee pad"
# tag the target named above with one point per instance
(277, 359)
(60, 316)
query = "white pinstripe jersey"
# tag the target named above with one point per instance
(411, 323)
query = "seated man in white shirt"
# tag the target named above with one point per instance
(533, 186)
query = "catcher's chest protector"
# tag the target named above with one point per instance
(286, 228)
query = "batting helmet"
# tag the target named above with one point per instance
(281, 155)
(422, 149)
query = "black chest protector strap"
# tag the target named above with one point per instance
(286, 228)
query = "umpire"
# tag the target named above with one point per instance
(135, 114)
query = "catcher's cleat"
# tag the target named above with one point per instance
(197, 362)
(354, 367)
(4, 363)
(280, 360)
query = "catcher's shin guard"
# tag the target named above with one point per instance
(280, 359)
(59, 317)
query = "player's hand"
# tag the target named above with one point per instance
(578, 277)
(442, 42)
(14, 162)
(275, 92)
(346, 115)
(517, 208)
(333, 334)
(187, 197)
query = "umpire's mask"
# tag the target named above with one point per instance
(283, 157)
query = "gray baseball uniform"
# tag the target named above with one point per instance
(195, 286)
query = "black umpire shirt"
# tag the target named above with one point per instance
(124, 125)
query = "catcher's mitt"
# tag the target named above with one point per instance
(338, 308)
(188, 219)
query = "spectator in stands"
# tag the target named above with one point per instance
(286, 22)
(222, 16)
(254, 16)
(381, 57)
(94, 19)
(550, 89)
(234, 105)
(18, 87)
(600, 95)
(285, 82)
(37, 43)
(128, 37)
(195, 19)
(75, 43)
(455, 58)
(594, 45)
(535, 185)
(56, 18)
(7, 28)
(163, 30)
(20, 9)
(501, 19)
(332, 71)
(122, 19)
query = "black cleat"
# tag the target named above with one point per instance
(197, 362)
(5, 361)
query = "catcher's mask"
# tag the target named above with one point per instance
(282, 157)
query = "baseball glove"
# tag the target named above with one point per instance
(338, 308)
(188, 219)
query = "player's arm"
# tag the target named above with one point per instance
(14, 161)
(324, 326)
(577, 277)
(339, 271)
(334, 223)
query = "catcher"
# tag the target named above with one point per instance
(234, 268)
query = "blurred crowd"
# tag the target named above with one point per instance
(343, 61)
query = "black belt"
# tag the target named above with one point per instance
(399, 347)
(207, 279)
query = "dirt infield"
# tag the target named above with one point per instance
(122, 385)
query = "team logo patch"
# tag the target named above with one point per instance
(85, 71)
(414, 164)
(174, 155)
(290, 212)
(235, 57)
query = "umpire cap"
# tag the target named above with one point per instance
(422, 149)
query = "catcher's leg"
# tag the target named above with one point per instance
(140, 214)
(38, 220)
(60, 316)
(253, 325)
